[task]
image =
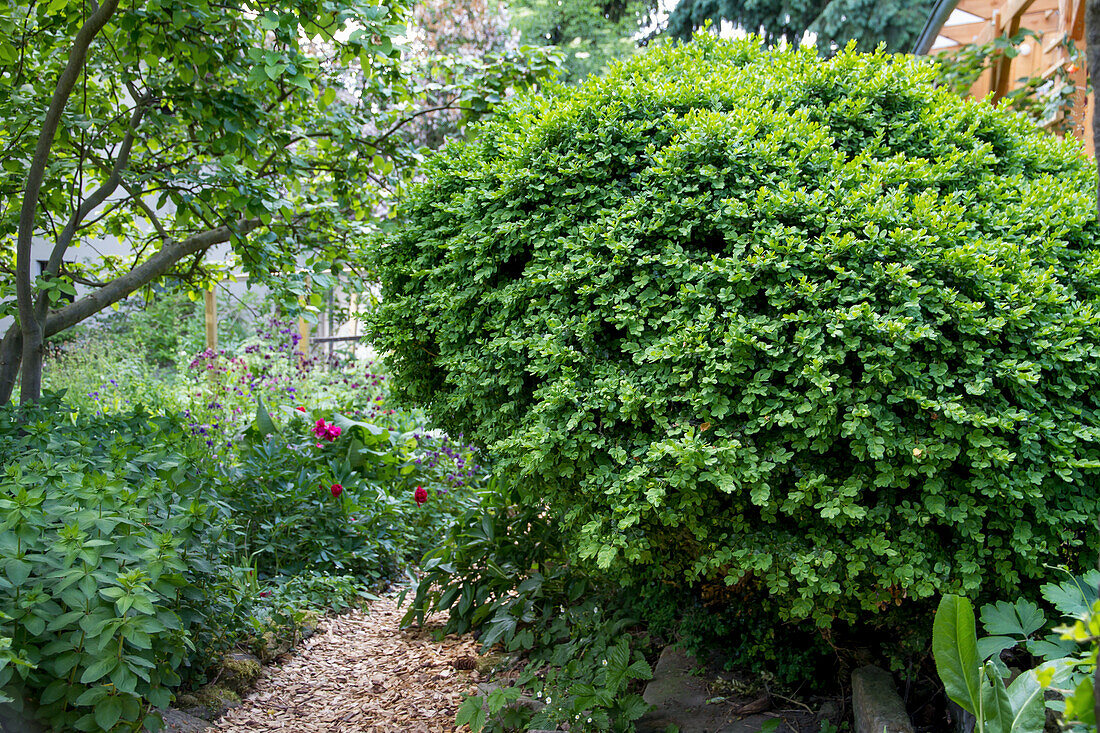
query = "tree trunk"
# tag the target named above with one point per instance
(30, 388)
(11, 349)
(1092, 43)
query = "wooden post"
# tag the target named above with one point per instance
(303, 331)
(211, 320)
(303, 325)
(1007, 24)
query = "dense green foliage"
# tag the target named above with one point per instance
(833, 23)
(591, 34)
(976, 677)
(288, 519)
(815, 328)
(138, 544)
(501, 570)
(271, 126)
(110, 549)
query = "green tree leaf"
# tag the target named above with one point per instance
(99, 669)
(1025, 696)
(1019, 620)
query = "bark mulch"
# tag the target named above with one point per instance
(361, 672)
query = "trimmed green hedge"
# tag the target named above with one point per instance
(815, 327)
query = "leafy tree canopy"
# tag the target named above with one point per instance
(834, 22)
(590, 33)
(174, 125)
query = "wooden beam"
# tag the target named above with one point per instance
(986, 8)
(1009, 25)
(989, 32)
(304, 330)
(1053, 41)
(1010, 21)
(969, 32)
(1075, 20)
(1053, 68)
(980, 8)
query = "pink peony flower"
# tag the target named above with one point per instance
(326, 430)
(337, 489)
(420, 495)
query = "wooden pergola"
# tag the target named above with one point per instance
(980, 21)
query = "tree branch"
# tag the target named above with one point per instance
(141, 275)
(149, 213)
(410, 118)
(97, 197)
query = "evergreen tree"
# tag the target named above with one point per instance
(835, 22)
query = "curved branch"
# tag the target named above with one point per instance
(97, 197)
(141, 275)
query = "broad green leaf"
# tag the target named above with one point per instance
(1025, 696)
(472, 713)
(99, 669)
(955, 650)
(108, 711)
(1073, 597)
(264, 424)
(992, 646)
(17, 571)
(1020, 619)
(1080, 705)
(995, 713)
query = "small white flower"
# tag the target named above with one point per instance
(548, 700)
(539, 694)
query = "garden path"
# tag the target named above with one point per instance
(362, 672)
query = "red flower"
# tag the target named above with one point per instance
(300, 409)
(326, 430)
(420, 495)
(337, 489)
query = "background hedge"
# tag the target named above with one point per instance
(813, 327)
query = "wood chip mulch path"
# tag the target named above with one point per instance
(361, 672)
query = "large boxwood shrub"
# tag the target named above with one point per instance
(813, 327)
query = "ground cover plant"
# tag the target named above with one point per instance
(501, 571)
(116, 575)
(258, 489)
(814, 329)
